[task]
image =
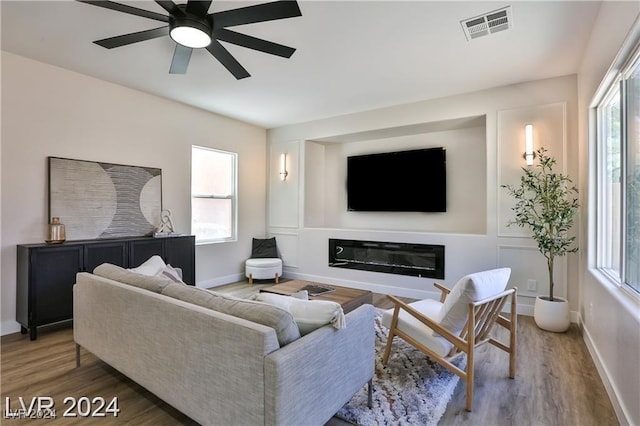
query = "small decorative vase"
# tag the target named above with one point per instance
(552, 315)
(57, 233)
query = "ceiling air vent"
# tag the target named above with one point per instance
(489, 23)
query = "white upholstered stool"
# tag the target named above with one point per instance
(263, 268)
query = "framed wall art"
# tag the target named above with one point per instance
(104, 200)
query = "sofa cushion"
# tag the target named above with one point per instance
(409, 324)
(278, 319)
(308, 314)
(153, 283)
(151, 266)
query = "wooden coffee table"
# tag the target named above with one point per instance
(348, 298)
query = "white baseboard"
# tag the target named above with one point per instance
(624, 418)
(527, 310)
(10, 327)
(221, 281)
(523, 309)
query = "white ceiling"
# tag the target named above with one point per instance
(351, 56)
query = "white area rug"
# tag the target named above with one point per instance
(410, 390)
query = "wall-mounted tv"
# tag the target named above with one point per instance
(401, 181)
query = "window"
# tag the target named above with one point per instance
(213, 195)
(618, 177)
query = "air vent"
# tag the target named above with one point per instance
(489, 23)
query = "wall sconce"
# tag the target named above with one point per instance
(283, 166)
(529, 154)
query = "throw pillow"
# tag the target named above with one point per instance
(264, 248)
(278, 319)
(154, 283)
(174, 274)
(151, 266)
(471, 288)
(302, 295)
(308, 314)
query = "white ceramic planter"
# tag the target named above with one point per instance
(552, 316)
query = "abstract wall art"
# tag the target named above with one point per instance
(104, 200)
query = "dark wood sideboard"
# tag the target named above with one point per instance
(47, 272)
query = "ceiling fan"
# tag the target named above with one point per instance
(192, 27)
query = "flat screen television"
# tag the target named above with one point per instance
(401, 181)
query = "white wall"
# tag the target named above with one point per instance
(49, 111)
(466, 184)
(610, 317)
(506, 110)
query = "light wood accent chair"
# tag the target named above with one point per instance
(458, 324)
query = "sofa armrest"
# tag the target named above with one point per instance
(309, 380)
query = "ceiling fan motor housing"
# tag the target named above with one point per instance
(192, 25)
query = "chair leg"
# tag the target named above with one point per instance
(470, 387)
(513, 334)
(370, 394)
(391, 335)
(277, 278)
(251, 279)
(387, 350)
(471, 342)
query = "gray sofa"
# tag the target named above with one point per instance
(219, 369)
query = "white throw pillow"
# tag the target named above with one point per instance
(308, 314)
(302, 295)
(175, 274)
(152, 266)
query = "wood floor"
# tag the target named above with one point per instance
(556, 382)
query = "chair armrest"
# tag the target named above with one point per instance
(445, 291)
(456, 340)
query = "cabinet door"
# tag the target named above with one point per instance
(180, 252)
(141, 250)
(53, 272)
(109, 252)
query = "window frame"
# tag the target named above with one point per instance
(601, 167)
(233, 197)
(616, 81)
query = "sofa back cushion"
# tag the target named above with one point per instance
(271, 316)
(153, 283)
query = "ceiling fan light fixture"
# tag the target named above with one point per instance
(190, 33)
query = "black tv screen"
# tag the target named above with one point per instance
(402, 181)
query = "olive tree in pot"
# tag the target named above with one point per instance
(546, 204)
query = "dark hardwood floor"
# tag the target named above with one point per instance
(556, 382)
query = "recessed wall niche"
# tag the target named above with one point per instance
(549, 131)
(325, 160)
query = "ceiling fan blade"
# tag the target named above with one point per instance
(198, 7)
(180, 61)
(125, 39)
(127, 9)
(225, 58)
(253, 43)
(170, 7)
(258, 13)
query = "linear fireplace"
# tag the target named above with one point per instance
(419, 260)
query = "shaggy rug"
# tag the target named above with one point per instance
(410, 390)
